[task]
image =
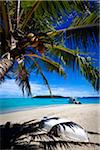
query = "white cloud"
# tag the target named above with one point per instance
(71, 92)
(10, 89)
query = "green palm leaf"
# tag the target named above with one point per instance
(51, 11)
(71, 58)
(90, 73)
(43, 76)
(34, 5)
(22, 78)
(6, 64)
(66, 55)
(85, 28)
(41, 17)
(50, 64)
(78, 32)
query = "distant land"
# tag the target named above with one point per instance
(59, 96)
(49, 96)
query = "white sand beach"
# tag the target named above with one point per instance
(85, 115)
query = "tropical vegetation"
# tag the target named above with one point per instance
(30, 41)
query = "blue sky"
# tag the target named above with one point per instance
(73, 85)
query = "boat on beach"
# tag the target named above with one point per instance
(74, 101)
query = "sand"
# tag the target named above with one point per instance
(85, 115)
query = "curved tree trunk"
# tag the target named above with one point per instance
(7, 41)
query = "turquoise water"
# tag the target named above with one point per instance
(14, 104)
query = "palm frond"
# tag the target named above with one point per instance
(5, 66)
(66, 56)
(61, 7)
(84, 29)
(43, 76)
(91, 74)
(39, 10)
(72, 28)
(22, 78)
(29, 15)
(51, 65)
(79, 33)
(72, 59)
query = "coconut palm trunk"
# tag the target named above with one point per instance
(31, 42)
(35, 43)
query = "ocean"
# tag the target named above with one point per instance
(15, 104)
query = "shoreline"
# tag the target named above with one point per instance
(38, 107)
(30, 108)
(51, 110)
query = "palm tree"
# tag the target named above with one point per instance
(29, 42)
(29, 39)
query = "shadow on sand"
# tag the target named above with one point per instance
(29, 136)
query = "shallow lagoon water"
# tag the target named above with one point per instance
(15, 104)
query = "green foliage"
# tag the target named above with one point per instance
(27, 4)
(90, 73)
(48, 63)
(38, 17)
(22, 78)
(72, 58)
(51, 12)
